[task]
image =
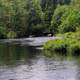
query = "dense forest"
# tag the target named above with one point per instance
(22, 18)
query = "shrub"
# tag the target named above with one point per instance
(75, 48)
(11, 34)
(57, 45)
(69, 44)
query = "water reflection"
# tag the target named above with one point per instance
(13, 54)
(27, 63)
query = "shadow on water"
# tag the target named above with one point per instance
(11, 54)
(26, 63)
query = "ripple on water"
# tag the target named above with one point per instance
(27, 65)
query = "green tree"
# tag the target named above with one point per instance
(65, 19)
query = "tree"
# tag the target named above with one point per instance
(65, 19)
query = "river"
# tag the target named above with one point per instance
(27, 63)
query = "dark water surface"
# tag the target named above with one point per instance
(26, 63)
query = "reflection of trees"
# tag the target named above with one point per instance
(55, 55)
(78, 68)
(59, 55)
(15, 54)
(58, 62)
(78, 73)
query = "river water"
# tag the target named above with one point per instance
(27, 63)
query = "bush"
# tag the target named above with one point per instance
(57, 45)
(74, 47)
(69, 44)
(11, 34)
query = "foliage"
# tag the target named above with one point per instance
(68, 44)
(65, 19)
(13, 15)
(28, 17)
(38, 9)
(57, 45)
(70, 21)
(56, 18)
(75, 4)
(11, 34)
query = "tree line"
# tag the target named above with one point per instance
(22, 18)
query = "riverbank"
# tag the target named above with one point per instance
(70, 44)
